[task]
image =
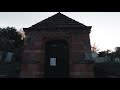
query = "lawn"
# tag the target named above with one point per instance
(11, 70)
(103, 70)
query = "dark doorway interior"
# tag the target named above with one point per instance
(57, 61)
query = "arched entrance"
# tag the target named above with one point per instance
(57, 59)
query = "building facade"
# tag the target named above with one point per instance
(57, 47)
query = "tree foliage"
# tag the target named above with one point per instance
(94, 48)
(117, 52)
(106, 53)
(10, 39)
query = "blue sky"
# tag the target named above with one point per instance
(105, 25)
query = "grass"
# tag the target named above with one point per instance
(103, 70)
(11, 70)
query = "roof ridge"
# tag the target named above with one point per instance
(56, 17)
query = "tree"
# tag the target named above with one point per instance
(117, 52)
(117, 49)
(10, 39)
(102, 54)
(106, 53)
(94, 48)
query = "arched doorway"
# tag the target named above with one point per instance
(57, 59)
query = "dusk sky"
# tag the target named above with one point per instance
(105, 30)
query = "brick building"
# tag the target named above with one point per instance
(57, 47)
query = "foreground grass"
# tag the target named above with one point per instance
(10, 70)
(103, 70)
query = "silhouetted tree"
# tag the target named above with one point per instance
(94, 48)
(106, 53)
(117, 52)
(10, 39)
(102, 54)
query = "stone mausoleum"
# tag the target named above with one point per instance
(57, 47)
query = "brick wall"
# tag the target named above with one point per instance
(34, 51)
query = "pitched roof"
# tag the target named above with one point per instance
(58, 20)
